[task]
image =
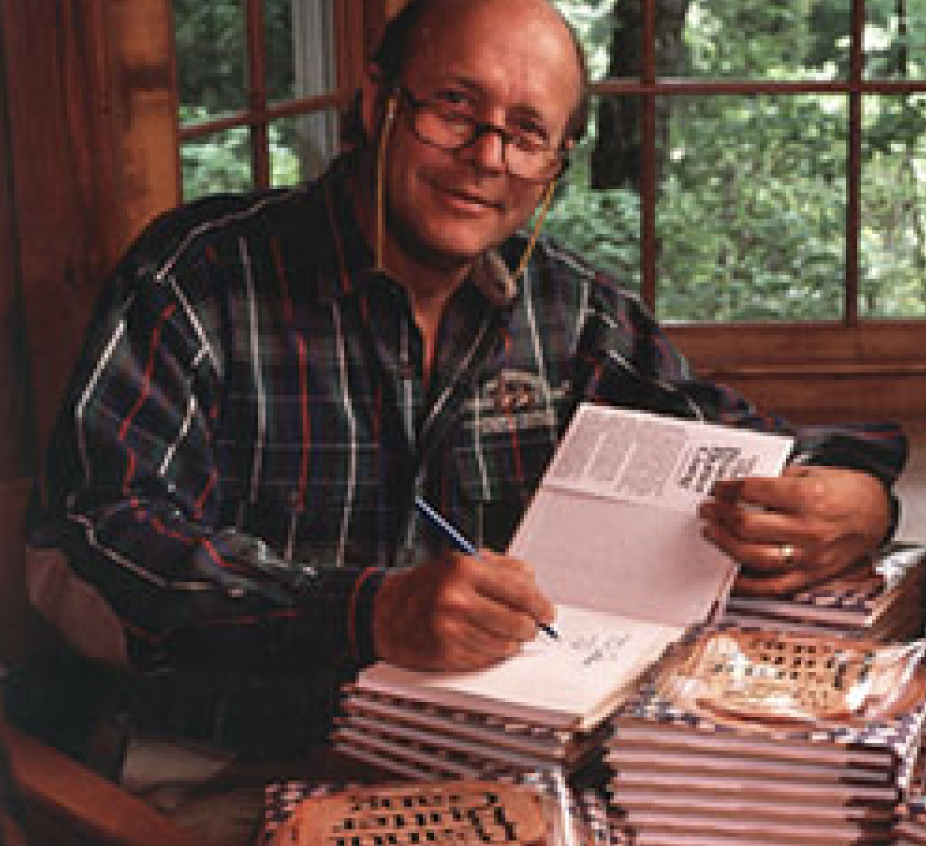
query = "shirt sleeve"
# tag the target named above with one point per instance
(132, 495)
(628, 360)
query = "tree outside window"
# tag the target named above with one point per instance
(748, 160)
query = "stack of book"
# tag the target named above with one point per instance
(615, 543)
(910, 829)
(405, 735)
(292, 808)
(547, 707)
(787, 754)
(883, 604)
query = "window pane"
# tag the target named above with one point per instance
(893, 215)
(300, 43)
(211, 57)
(603, 225)
(895, 39)
(592, 22)
(301, 147)
(755, 39)
(751, 212)
(724, 39)
(220, 162)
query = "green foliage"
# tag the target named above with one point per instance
(751, 214)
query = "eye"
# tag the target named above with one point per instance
(530, 135)
(453, 100)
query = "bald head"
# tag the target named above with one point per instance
(420, 25)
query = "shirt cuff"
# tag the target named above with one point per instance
(360, 614)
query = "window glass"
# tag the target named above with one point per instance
(755, 39)
(218, 162)
(751, 210)
(895, 39)
(593, 24)
(722, 39)
(603, 225)
(893, 200)
(211, 49)
(301, 147)
(300, 39)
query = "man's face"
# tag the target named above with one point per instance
(509, 62)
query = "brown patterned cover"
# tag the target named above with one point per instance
(778, 679)
(460, 812)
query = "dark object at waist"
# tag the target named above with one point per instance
(255, 718)
(73, 703)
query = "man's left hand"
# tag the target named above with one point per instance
(789, 533)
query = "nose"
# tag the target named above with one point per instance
(487, 149)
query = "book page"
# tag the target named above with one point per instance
(571, 682)
(631, 456)
(614, 525)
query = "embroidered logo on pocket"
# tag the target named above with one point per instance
(515, 398)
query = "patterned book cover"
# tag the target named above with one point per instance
(897, 738)
(896, 577)
(584, 810)
(910, 829)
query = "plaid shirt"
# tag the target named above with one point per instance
(248, 425)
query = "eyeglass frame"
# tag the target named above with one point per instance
(479, 128)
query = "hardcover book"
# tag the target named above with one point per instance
(766, 737)
(615, 541)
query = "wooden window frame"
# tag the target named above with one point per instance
(863, 368)
(357, 25)
(93, 153)
(852, 368)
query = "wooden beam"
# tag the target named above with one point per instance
(93, 137)
(145, 123)
(827, 372)
(47, 780)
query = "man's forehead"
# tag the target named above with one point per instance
(450, 29)
(452, 19)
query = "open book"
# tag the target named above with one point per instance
(613, 535)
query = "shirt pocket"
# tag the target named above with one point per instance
(338, 515)
(500, 460)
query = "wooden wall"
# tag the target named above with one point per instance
(87, 156)
(89, 153)
(825, 372)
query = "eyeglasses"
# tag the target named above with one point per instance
(448, 125)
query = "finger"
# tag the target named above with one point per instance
(789, 583)
(511, 582)
(473, 646)
(768, 558)
(788, 493)
(450, 640)
(752, 526)
(484, 595)
(497, 621)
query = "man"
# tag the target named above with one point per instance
(259, 403)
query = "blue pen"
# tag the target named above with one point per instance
(462, 543)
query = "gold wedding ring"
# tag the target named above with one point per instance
(786, 553)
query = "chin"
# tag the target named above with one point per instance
(453, 250)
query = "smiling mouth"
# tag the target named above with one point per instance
(475, 201)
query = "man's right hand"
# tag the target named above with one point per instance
(458, 612)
